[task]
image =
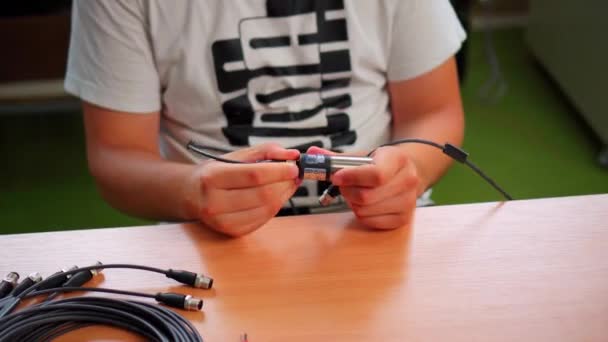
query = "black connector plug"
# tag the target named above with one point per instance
(180, 301)
(56, 281)
(455, 152)
(8, 283)
(329, 195)
(81, 278)
(197, 280)
(26, 283)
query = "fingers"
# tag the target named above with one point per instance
(237, 223)
(318, 150)
(279, 153)
(220, 201)
(239, 198)
(286, 195)
(405, 180)
(238, 176)
(382, 195)
(387, 161)
(240, 222)
(263, 152)
(400, 203)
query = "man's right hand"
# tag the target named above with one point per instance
(236, 199)
(132, 176)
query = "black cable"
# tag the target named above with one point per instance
(90, 289)
(175, 300)
(450, 150)
(65, 311)
(10, 306)
(199, 149)
(409, 141)
(455, 153)
(16, 332)
(184, 277)
(488, 179)
(49, 332)
(47, 320)
(5, 300)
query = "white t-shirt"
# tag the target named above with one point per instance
(232, 73)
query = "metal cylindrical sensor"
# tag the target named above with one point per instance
(320, 167)
(344, 162)
(314, 166)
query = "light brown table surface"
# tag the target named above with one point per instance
(534, 270)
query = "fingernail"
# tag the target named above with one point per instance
(313, 149)
(294, 153)
(294, 172)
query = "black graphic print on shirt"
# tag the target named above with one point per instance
(287, 74)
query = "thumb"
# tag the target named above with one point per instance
(263, 152)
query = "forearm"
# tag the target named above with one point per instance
(443, 125)
(141, 183)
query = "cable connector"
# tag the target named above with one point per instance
(180, 301)
(326, 199)
(8, 283)
(197, 280)
(455, 152)
(81, 278)
(329, 195)
(26, 283)
(56, 281)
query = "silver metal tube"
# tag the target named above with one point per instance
(344, 162)
(203, 282)
(12, 277)
(35, 277)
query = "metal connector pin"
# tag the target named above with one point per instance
(193, 279)
(180, 301)
(326, 199)
(73, 267)
(8, 283)
(35, 277)
(193, 304)
(12, 277)
(31, 279)
(96, 271)
(202, 281)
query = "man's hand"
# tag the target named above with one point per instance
(382, 195)
(236, 199)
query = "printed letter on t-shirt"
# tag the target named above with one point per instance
(286, 76)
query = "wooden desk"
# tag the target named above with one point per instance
(521, 271)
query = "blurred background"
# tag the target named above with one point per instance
(534, 76)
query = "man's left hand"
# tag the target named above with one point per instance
(383, 194)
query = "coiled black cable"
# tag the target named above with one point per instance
(43, 322)
(50, 319)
